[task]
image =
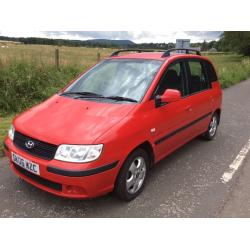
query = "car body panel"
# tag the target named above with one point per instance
(80, 120)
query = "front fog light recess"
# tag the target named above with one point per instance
(78, 153)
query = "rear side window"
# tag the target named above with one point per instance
(212, 77)
(173, 78)
(197, 80)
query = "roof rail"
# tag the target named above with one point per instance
(165, 54)
(116, 53)
(187, 51)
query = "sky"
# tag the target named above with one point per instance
(135, 36)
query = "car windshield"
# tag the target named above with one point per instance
(128, 78)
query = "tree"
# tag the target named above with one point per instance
(237, 41)
(204, 46)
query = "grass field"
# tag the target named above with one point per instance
(231, 68)
(28, 74)
(45, 55)
(4, 125)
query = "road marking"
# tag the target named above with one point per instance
(235, 165)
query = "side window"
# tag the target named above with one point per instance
(212, 77)
(197, 78)
(173, 78)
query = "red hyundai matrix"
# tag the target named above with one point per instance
(104, 130)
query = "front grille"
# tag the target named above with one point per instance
(41, 149)
(47, 183)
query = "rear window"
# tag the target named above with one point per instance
(211, 74)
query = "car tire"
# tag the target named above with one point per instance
(212, 128)
(131, 178)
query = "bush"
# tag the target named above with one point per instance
(234, 73)
(237, 41)
(23, 84)
(26, 83)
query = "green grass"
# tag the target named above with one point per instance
(24, 84)
(28, 75)
(45, 54)
(231, 68)
(4, 125)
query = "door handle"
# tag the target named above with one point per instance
(189, 108)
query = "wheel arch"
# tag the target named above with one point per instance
(218, 112)
(147, 147)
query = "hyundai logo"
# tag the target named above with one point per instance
(29, 144)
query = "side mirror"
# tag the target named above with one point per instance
(170, 95)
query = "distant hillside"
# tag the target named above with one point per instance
(66, 42)
(111, 42)
(105, 43)
(108, 43)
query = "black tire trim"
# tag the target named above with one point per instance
(81, 173)
(182, 128)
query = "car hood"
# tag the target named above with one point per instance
(62, 120)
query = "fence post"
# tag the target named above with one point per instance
(98, 56)
(57, 58)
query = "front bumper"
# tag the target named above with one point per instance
(72, 180)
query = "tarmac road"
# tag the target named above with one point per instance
(185, 184)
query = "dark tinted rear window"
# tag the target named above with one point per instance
(197, 77)
(212, 77)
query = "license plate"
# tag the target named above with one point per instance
(26, 164)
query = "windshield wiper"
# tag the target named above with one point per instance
(94, 95)
(85, 94)
(120, 98)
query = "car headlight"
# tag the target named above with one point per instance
(11, 132)
(78, 153)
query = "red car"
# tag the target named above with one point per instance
(105, 129)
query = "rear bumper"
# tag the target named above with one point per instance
(64, 179)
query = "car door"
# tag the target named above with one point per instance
(199, 94)
(168, 121)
